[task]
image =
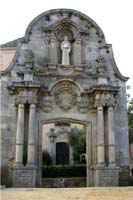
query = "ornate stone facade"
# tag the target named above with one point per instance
(39, 88)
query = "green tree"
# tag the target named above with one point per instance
(77, 139)
(130, 121)
(46, 158)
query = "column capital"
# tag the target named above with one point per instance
(99, 100)
(32, 100)
(32, 106)
(52, 37)
(110, 108)
(21, 105)
(78, 40)
(100, 107)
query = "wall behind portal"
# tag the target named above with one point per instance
(6, 55)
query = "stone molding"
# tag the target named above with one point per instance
(104, 99)
(26, 92)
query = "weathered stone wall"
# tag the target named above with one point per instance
(121, 127)
(8, 123)
(8, 131)
(7, 55)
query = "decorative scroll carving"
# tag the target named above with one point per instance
(100, 65)
(65, 95)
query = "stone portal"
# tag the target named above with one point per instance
(54, 78)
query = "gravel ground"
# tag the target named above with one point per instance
(118, 193)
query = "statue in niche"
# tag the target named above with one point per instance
(65, 47)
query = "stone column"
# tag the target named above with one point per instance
(31, 136)
(100, 136)
(46, 46)
(77, 60)
(111, 136)
(53, 49)
(20, 135)
(89, 153)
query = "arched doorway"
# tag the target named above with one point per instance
(61, 151)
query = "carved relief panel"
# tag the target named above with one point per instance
(65, 95)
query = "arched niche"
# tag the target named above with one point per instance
(69, 29)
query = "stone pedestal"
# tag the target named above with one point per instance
(24, 177)
(106, 176)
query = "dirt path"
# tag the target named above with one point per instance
(123, 193)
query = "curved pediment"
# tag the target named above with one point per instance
(41, 50)
(49, 18)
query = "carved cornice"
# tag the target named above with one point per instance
(103, 99)
(26, 92)
(105, 88)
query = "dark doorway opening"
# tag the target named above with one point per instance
(62, 153)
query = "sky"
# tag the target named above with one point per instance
(115, 17)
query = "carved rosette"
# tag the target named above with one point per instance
(65, 95)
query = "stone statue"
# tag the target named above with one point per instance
(65, 47)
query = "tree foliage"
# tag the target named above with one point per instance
(46, 158)
(130, 121)
(77, 139)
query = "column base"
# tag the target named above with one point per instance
(112, 165)
(106, 176)
(24, 176)
(100, 165)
